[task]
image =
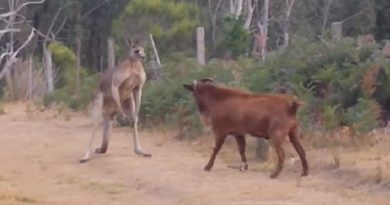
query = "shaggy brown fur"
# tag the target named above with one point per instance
(235, 112)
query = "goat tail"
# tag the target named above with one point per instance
(97, 109)
(296, 103)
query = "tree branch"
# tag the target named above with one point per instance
(2, 32)
(13, 55)
(61, 26)
(94, 8)
(55, 18)
(20, 7)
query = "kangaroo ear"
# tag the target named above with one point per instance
(130, 43)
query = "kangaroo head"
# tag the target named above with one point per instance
(136, 50)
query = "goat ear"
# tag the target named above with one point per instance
(188, 87)
(130, 42)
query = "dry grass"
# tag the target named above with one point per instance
(100, 186)
(2, 111)
(18, 82)
(378, 176)
(174, 175)
(336, 158)
(11, 197)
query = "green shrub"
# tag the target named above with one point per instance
(69, 97)
(331, 117)
(64, 61)
(236, 38)
(168, 102)
(364, 116)
(172, 24)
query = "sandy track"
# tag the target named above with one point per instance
(39, 165)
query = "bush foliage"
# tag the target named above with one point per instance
(340, 83)
(66, 93)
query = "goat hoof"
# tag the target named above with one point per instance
(207, 168)
(273, 176)
(83, 161)
(304, 174)
(244, 167)
(100, 151)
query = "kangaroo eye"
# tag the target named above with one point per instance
(136, 51)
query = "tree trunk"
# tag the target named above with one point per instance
(325, 16)
(11, 46)
(78, 46)
(49, 68)
(30, 73)
(286, 23)
(249, 16)
(238, 8)
(213, 20)
(231, 7)
(264, 29)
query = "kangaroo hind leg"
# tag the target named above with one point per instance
(107, 127)
(97, 112)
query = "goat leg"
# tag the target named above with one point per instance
(218, 144)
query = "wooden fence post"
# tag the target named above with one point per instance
(110, 53)
(200, 47)
(337, 30)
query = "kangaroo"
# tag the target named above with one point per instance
(120, 92)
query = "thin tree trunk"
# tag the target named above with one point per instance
(30, 68)
(213, 20)
(49, 68)
(78, 62)
(264, 30)
(325, 16)
(78, 47)
(286, 23)
(231, 7)
(238, 8)
(250, 9)
(11, 45)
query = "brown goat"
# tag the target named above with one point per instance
(235, 112)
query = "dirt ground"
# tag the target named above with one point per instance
(39, 165)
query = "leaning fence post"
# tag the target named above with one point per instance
(155, 68)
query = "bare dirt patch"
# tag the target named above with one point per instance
(40, 153)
